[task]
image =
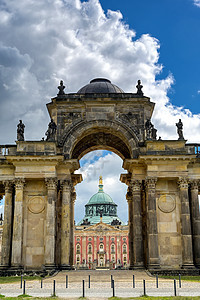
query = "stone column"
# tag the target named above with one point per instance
(71, 258)
(137, 225)
(51, 184)
(152, 230)
(66, 224)
(129, 198)
(187, 253)
(195, 221)
(7, 226)
(18, 224)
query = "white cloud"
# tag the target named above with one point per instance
(197, 2)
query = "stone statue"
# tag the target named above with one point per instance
(148, 127)
(154, 133)
(51, 131)
(61, 88)
(20, 131)
(179, 126)
(139, 88)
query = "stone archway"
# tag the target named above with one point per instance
(38, 181)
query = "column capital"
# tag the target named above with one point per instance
(135, 185)
(8, 184)
(66, 185)
(183, 183)
(194, 183)
(51, 183)
(150, 183)
(19, 183)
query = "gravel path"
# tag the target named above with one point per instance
(100, 285)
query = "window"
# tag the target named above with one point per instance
(124, 248)
(89, 239)
(112, 248)
(78, 249)
(101, 239)
(89, 248)
(77, 260)
(101, 247)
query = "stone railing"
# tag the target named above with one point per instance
(193, 148)
(8, 150)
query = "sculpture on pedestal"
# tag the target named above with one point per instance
(51, 131)
(179, 126)
(20, 131)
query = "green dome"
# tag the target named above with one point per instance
(100, 198)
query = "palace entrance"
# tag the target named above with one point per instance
(38, 181)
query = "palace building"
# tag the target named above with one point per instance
(101, 238)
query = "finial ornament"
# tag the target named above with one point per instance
(100, 180)
(20, 131)
(179, 126)
(61, 88)
(100, 184)
(139, 88)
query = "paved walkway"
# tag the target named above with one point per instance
(100, 285)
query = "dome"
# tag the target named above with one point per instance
(100, 86)
(100, 198)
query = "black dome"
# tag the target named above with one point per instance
(101, 86)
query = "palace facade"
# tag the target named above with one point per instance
(101, 238)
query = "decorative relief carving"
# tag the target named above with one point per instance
(183, 183)
(167, 203)
(36, 204)
(130, 120)
(19, 183)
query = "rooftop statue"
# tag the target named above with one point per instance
(61, 88)
(20, 131)
(139, 88)
(179, 126)
(51, 131)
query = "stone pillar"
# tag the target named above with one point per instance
(66, 224)
(18, 224)
(153, 260)
(51, 184)
(7, 226)
(187, 253)
(129, 198)
(138, 250)
(71, 258)
(195, 221)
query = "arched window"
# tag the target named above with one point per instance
(89, 248)
(101, 247)
(113, 248)
(78, 249)
(124, 248)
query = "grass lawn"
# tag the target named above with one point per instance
(188, 278)
(11, 279)
(26, 297)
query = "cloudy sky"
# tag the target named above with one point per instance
(48, 40)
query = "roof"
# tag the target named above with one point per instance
(100, 85)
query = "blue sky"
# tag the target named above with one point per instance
(176, 24)
(42, 42)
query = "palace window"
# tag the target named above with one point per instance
(101, 239)
(89, 239)
(77, 260)
(112, 248)
(78, 249)
(101, 247)
(90, 248)
(124, 248)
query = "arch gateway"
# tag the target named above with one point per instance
(38, 181)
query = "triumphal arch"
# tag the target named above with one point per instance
(38, 181)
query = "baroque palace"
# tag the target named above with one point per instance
(101, 238)
(38, 180)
